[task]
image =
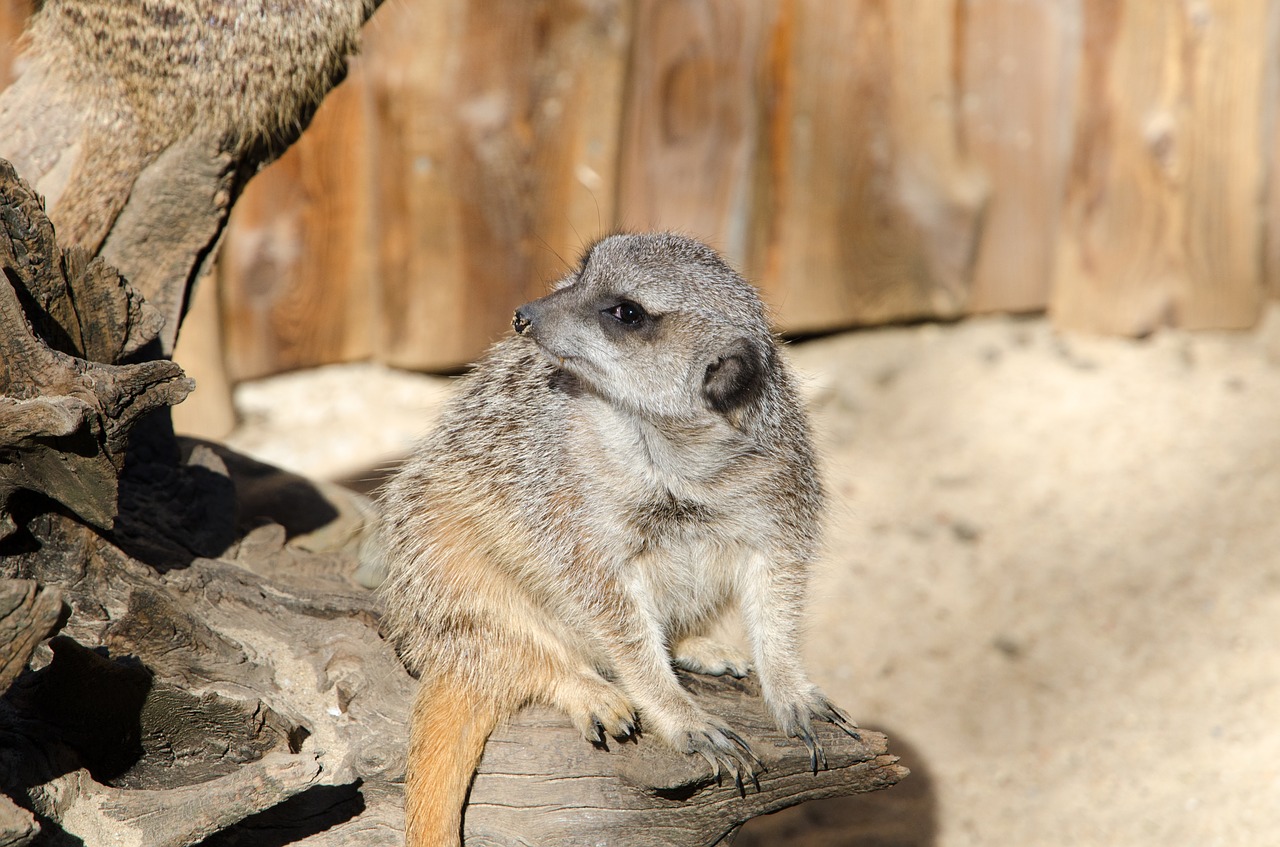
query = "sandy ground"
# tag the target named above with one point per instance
(1053, 575)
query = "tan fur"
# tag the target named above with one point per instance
(606, 484)
(447, 735)
(147, 74)
(245, 68)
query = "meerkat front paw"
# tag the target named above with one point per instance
(700, 654)
(597, 708)
(724, 750)
(795, 718)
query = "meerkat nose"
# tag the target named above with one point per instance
(520, 322)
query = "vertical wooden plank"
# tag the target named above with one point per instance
(1162, 222)
(497, 126)
(1019, 67)
(1271, 151)
(208, 412)
(295, 268)
(867, 210)
(13, 18)
(1225, 42)
(691, 119)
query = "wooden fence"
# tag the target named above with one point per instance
(1112, 161)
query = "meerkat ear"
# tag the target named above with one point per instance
(736, 377)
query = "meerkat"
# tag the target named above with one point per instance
(147, 73)
(630, 464)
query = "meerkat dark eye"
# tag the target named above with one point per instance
(626, 313)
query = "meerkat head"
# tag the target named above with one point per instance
(657, 324)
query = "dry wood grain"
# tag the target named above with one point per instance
(296, 268)
(1271, 151)
(252, 696)
(1018, 63)
(71, 386)
(864, 162)
(209, 411)
(496, 148)
(692, 120)
(1162, 224)
(867, 210)
(574, 794)
(27, 615)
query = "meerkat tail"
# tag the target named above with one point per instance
(448, 731)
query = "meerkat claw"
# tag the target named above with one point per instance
(737, 739)
(817, 756)
(833, 714)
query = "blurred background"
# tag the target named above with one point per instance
(1113, 163)
(1053, 440)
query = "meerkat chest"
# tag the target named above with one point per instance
(683, 503)
(689, 558)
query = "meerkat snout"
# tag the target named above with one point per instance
(536, 314)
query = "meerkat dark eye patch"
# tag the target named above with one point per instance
(627, 313)
(626, 321)
(736, 378)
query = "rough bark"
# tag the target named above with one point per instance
(68, 323)
(642, 794)
(27, 615)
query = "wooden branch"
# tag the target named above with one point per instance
(27, 615)
(539, 783)
(66, 406)
(172, 817)
(204, 670)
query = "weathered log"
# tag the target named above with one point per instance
(201, 672)
(205, 682)
(27, 616)
(172, 817)
(560, 790)
(67, 404)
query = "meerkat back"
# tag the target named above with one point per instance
(626, 468)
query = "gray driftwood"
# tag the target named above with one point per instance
(216, 676)
(251, 693)
(68, 399)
